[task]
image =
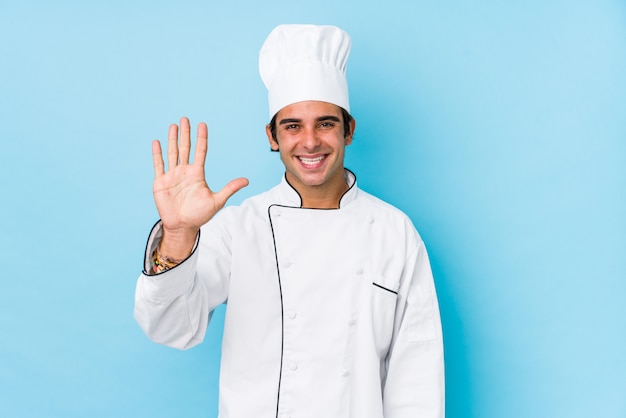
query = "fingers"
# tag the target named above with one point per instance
(184, 145)
(230, 189)
(157, 159)
(202, 144)
(172, 147)
(178, 152)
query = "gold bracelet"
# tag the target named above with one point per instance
(160, 263)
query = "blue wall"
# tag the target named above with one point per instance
(499, 127)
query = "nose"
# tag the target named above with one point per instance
(310, 140)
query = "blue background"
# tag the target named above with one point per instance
(499, 127)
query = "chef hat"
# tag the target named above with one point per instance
(305, 62)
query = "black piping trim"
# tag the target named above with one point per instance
(282, 312)
(280, 287)
(350, 187)
(147, 273)
(340, 199)
(384, 288)
(294, 189)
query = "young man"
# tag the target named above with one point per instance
(331, 307)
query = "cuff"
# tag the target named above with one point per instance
(154, 239)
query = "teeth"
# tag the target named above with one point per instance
(310, 161)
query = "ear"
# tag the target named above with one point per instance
(273, 143)
(351, 133)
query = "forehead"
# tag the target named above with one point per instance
(310, 109)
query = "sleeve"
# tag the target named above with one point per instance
(414, 385)
(174, 307)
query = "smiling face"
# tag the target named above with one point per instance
(311, 140)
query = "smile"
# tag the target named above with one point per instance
(311, 161)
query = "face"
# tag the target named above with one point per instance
(312, 143)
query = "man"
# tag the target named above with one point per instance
(331, 308)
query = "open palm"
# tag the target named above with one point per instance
(182, 196)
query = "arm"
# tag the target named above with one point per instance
(414, 386)
(174, 306)
(163, 301)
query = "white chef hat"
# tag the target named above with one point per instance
(305, 62)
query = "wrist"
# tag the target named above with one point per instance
(177, 244)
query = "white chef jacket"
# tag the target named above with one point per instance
(330, 313)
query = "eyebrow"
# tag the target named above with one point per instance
(289, 120)
(320, 119)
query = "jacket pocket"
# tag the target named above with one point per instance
(383, 308)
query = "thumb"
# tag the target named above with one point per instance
(230, 189)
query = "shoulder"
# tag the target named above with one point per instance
(369, 202)
(259, 202)
(389, 217)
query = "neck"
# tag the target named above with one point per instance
(325, 196)
(317, 199)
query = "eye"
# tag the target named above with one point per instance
(291, 127)
(327, 125)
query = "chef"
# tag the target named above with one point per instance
(331, 309)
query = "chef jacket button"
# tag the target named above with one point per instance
(352, 322)
(359, 271)
(288, 264)
(292, 314)
(293, 367)
(345, 373)
(371, 220)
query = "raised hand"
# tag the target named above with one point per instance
(182, 196)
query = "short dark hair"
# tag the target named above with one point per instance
(347, 120)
